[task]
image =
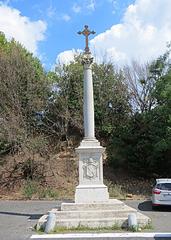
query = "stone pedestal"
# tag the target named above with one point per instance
(91, 188)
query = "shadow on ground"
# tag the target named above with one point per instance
(30, 216)
(147, 206)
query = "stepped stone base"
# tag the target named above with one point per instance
(97, 193)
(95, 215)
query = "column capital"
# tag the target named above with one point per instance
(87, 59)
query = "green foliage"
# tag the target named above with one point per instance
(115, 190)
(65, 110)
(33, 189)
(137, 228)
(81, 228)
(143, 144)
(29, 189)
(110, 98)
(132, 110)
(4, 146)
(48, 193)
(23, 92)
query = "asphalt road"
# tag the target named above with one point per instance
(161, 219)
(17, 218)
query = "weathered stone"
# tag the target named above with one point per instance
(96, 215)
(92, 207)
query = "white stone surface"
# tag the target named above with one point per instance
(102, 236)
(91, 194)
(94, 215)
(88, 107)
(111, 204)
(91, 188)
(90, 165)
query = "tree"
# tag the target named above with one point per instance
(141, 80)
(65, 110)
(23, 91)
(143, 146)
(111, 99)
(63, 115)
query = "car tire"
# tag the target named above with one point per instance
(154, 208)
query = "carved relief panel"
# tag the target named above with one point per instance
(90, 168)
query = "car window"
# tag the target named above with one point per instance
(164, 186)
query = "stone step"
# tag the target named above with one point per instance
(122, 212)
(116, 221)
(110, 205)
(112, 213)
(92, 222)
(100, 223)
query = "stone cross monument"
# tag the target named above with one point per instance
(92, 207)
(91, 188)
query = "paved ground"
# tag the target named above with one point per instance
(161, 219)
(17, 218)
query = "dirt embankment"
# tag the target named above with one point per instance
(55, 175)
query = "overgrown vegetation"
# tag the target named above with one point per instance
(88, 229)
(33, 189)
(143, 144)
(83, 229)
(41, 113)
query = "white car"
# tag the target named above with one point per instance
(161, 193)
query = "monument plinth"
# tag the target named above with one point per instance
(91, 188)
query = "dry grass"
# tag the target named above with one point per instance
(60, 177)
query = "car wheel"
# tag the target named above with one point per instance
(154, 207)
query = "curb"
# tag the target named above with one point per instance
(102, 235)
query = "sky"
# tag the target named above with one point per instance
(126, 30)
